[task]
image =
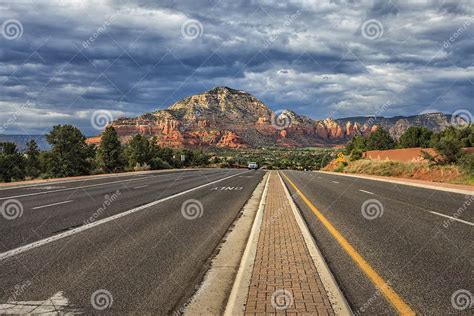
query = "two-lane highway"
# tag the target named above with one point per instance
(52, 208)
(391, 246)
(155, 234)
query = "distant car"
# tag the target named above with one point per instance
(252, 166)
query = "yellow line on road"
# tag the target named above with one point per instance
(376, 279)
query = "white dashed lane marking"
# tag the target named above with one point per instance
(368, 192)
(49, 205)
(141, 187)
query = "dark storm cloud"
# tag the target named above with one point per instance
(130, 56)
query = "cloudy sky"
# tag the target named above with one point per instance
(60, 61)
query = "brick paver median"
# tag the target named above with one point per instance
(284, 277)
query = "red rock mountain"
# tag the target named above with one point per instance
(224, 117)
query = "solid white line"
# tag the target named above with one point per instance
(81, 187)
(368, 192)
(334, 181)
(54, 204)
(453, 218)
(142, 186)
(74, 231)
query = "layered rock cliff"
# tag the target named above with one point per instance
(224, 117)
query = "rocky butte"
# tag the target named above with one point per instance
(225, 117)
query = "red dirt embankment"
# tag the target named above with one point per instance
(410, 170)
(403, 155)
(402, 163)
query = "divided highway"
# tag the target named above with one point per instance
(419, 241)
(147, 261)
(140, 243)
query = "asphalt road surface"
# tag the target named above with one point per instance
(427, 259)
(148, 261)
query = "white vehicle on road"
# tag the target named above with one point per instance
(252, 165)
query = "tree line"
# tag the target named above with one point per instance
(448, 143)
(70, 155)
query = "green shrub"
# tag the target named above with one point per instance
(467, 163)
(416, 136)
(341, 167)
(158, 164)
(380, 140)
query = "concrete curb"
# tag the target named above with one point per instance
(335, 295)
(406, 182)
(211, 297)
(240, 289)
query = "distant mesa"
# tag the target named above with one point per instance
(230, 118)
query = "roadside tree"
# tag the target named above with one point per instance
(69, 155)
